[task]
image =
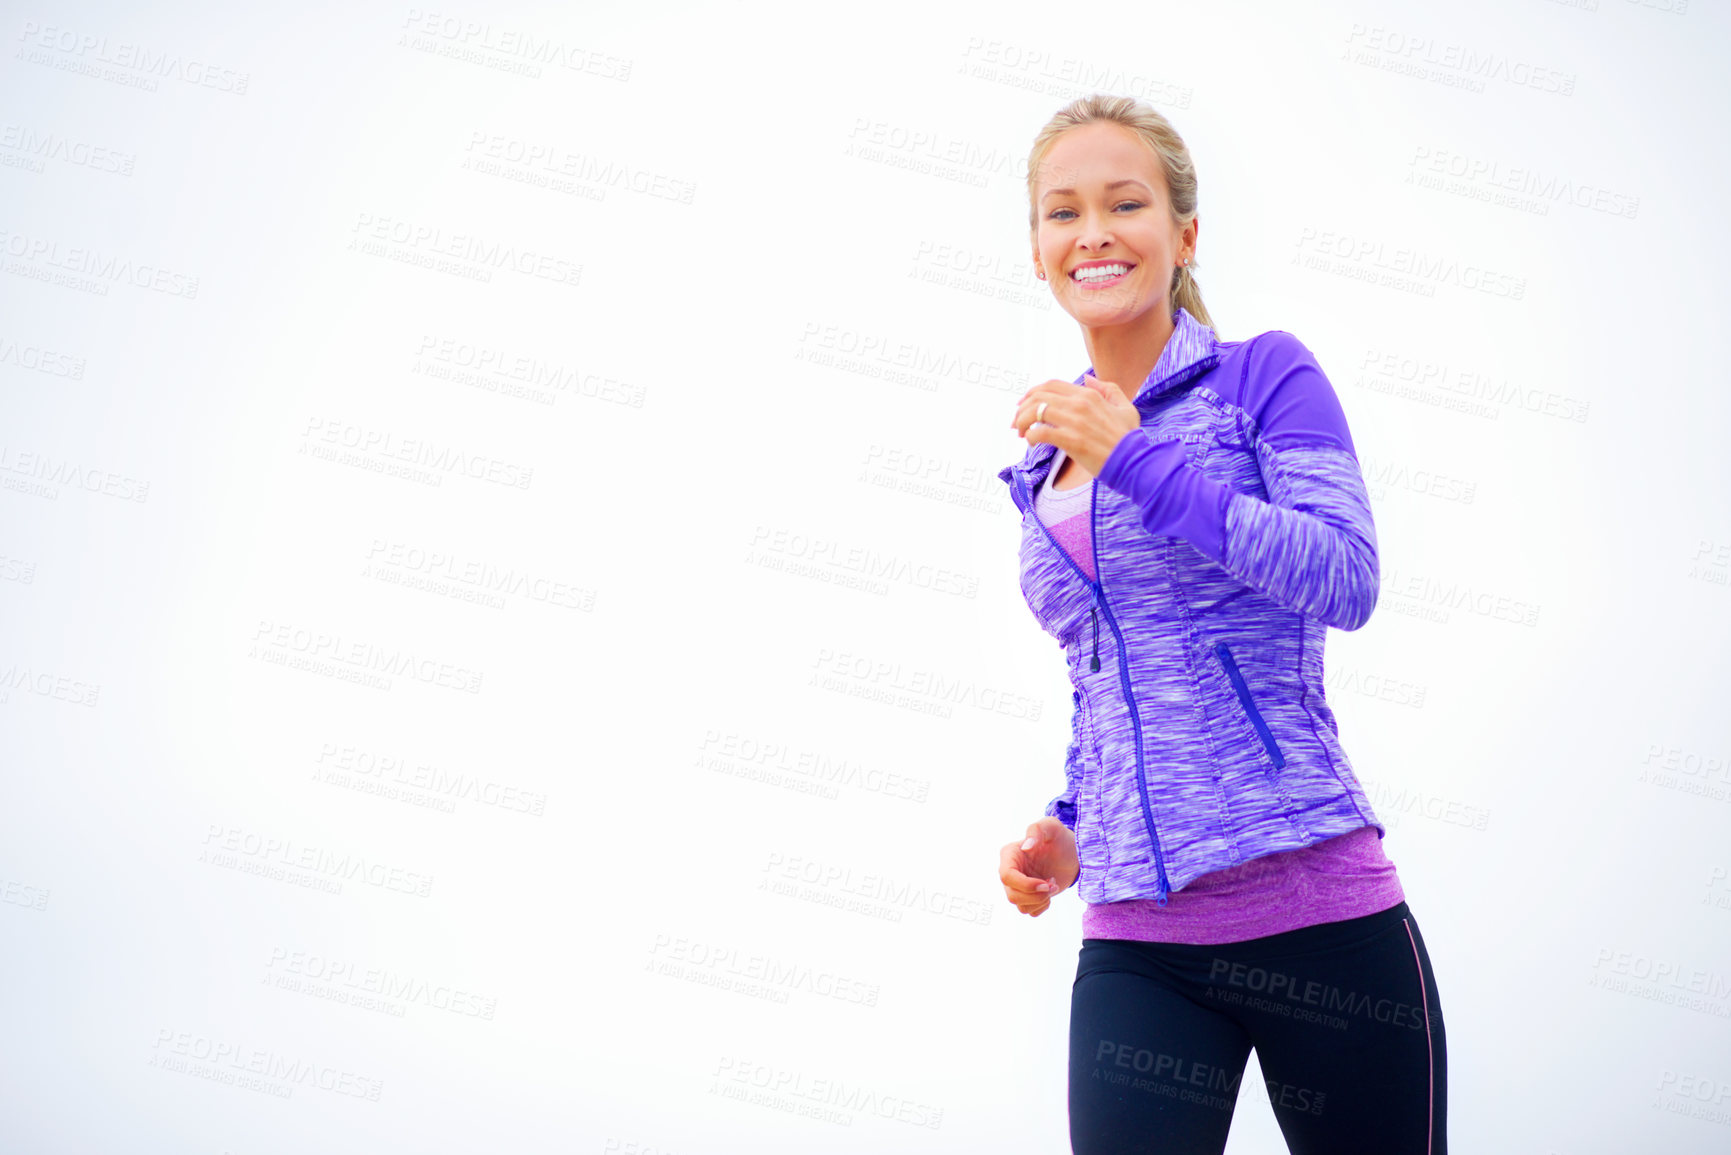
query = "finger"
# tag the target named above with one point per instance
(1048, 391)
(1058, 410)
(1030, 885)
(1010, 871)
(1027, 412)
(1045, 829)
(1015, 879)
(1049, 383)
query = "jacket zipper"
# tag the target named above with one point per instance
(1099, 600)
(1243, 690)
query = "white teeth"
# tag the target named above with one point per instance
(1100, 272)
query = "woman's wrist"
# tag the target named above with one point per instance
(1173, 498)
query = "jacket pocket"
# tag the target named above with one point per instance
(1249, 703)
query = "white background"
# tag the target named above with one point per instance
(734, 587)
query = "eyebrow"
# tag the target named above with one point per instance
(1109, 188)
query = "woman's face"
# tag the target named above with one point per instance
(1101, 198)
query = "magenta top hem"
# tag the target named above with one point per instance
(1338, 878)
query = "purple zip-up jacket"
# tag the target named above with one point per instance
(1229, 532)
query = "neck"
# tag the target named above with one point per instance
(1126, 354)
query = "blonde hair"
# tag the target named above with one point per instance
(1163, 140)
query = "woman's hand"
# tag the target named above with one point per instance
(1041, 866)
(1087, 423)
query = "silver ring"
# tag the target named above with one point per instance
(1040, 414)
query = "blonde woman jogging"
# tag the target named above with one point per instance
(1193, 521)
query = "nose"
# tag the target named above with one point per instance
(1096, 233)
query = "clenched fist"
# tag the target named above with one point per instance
(1040, 867)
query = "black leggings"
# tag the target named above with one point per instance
(1344, 1017)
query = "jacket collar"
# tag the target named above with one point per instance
(1192, 350)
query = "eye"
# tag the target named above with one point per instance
(1053, 215)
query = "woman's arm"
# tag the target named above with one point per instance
(1312, 545)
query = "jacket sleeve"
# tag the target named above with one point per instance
(1312, 545)
(1063, 807)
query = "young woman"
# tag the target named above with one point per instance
(1194, 519)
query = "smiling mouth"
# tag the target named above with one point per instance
(1120, 270)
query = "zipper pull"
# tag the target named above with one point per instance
(1095, 615)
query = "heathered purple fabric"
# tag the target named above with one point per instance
(1344, 877)
(1347, 876)
(1205, 740)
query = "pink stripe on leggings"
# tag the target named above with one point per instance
(1430, 1050)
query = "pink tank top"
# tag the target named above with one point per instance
(1338, 878)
